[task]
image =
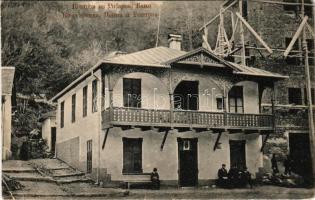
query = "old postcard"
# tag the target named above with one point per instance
(158, 99)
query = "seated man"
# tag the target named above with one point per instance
(246, 178)
(155, 178)
(234, 176)
(222, 177)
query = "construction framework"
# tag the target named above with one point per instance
(224, 48)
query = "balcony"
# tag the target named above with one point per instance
(186, 119)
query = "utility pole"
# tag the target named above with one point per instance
(242, 34)
(309, 96)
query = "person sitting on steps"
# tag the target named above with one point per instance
(155, 178)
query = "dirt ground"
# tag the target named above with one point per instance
(261, 192)
(36, 188)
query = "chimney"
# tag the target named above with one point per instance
(175, 41)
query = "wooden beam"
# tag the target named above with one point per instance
(264, 142)
(243, 52)
(296, 36)
(105, 138)
(164, 139)
(217, 141)
(254, 32)
(218, 15)
(282, 3)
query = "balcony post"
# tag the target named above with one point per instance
(111, 110)
(171, 94)
(171, 109)
(225, 104)
(110, 90)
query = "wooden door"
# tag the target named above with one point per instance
(188, 162)
(238, 153)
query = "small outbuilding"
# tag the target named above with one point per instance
(7, 77)
(49, 129)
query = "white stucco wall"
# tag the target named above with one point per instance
(154, 93)
(86, 128)
(166, 161)
(6, 127)
(46, 130)
(251, 96)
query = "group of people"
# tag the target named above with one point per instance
(234, 178)
(288, 162)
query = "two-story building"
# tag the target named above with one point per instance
(184, 113)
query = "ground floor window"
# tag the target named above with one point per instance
(132, 155)
(238, 153)
(89, 156)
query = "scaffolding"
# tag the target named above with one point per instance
(224, 47)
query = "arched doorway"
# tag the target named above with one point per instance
(186, 95)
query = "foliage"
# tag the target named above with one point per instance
(49, 50)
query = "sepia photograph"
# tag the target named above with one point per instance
(157, 99)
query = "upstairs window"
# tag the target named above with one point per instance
(308, 9)
(236, 103)
(290, 8)
(295, 96)
(296, 9)
(94, 96)
(292, 60)
(220, 103)
(244, 9)
(310, 47)
(73, 102)
(132, 155)
(62, 114)
(132, 92)
(84, 100)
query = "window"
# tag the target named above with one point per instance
(132, 155)
(310, 47)
(85, 101)
(94, 96)
(62, 114)
(244, 9)
(132, 92)
(296, 9)
(292, 60)
(73, 108)
(290, 8)
(220, 103)
(236, 104)
(89, 156)
(295, 96)
(312, 96)
(308, 9)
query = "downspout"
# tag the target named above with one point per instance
(99, 126)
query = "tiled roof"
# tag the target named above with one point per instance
(161, 57)
(48, 115)
(149, 57)
(255, 71)
(7, 75)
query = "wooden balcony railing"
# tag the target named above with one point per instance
(185, 118)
